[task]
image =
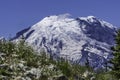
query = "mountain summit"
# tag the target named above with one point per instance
(84, 39)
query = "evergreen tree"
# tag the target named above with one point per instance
(116, 59)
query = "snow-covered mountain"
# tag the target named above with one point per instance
(80, 40)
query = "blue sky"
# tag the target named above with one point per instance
(16, 15)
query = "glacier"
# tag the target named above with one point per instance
(81, 40)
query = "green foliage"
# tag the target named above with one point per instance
(79, 70)
(116, 60)
(15, 53)
(105, 76)
(5, 72)
(65, 67)
(7, 47)
(21, 53)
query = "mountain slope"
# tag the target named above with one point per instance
(84, 39)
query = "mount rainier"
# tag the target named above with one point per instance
(80, 40)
